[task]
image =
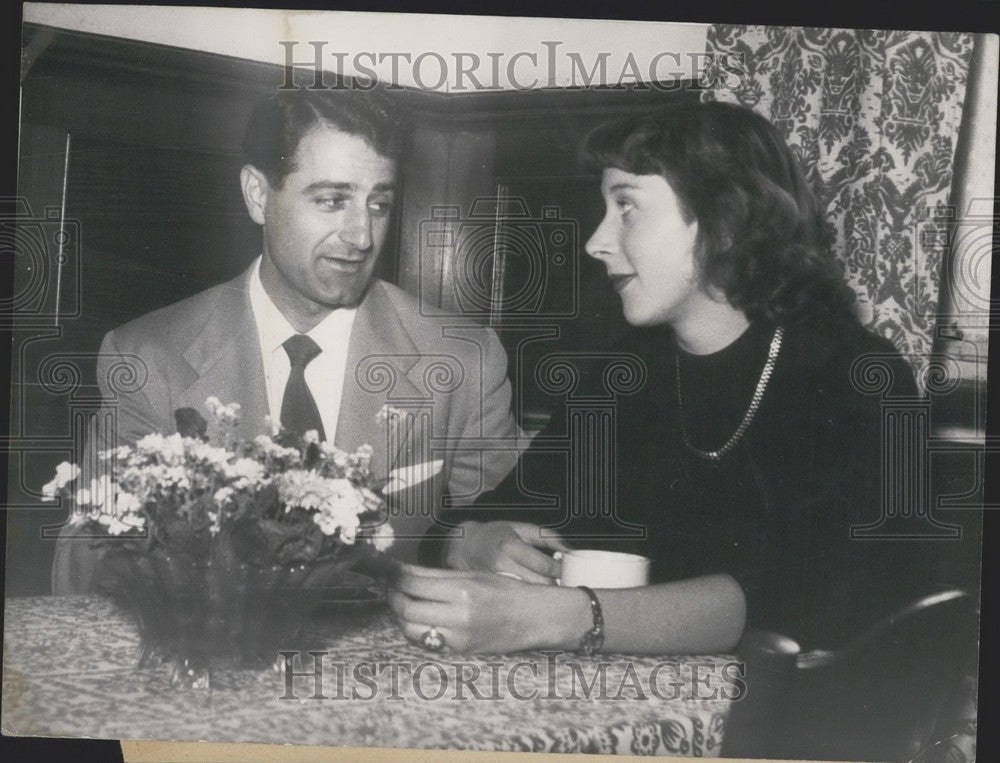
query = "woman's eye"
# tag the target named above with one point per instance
(624, 206)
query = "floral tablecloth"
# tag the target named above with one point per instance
(68, 672)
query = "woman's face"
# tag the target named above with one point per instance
(648, 249)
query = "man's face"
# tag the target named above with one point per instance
(325, 227)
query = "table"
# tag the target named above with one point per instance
(68, 672)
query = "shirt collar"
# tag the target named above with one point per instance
(274, 329)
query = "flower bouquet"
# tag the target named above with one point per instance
(221, 550)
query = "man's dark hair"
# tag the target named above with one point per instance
(278, 123)
(762, 237)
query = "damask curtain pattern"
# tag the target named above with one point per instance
(874, 117)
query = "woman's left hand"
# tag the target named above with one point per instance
(481, 611)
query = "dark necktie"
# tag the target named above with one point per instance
(299, 413)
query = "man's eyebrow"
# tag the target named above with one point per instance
(330, 185)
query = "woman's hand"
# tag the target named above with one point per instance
(483, 612)
(513, 548)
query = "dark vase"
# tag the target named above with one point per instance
(197, 615)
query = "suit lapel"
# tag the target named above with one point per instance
(380, 358)
(382, 367)
(226, 357)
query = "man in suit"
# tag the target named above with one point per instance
(307, 337)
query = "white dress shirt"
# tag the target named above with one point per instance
(324, 374)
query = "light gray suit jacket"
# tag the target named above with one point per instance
(450, 378)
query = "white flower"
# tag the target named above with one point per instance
(107, 503)
(298, 487)
(118, 525)
(345, 496)
(202, 451)
(102, 492)
(348, 532)
(222, 496)
(65, 473)
(176, 477)
(227, 415)
(166, 449)
(330, 525)
(311, 437)
(340, 509)
(151, 443)
(173, 447)
(270, 449)
(126, 503)
(383, 537)
(245, 472)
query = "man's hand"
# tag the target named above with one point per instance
(512, 548)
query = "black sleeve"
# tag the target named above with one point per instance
(831, 572)
(538, 470)
(537, 489)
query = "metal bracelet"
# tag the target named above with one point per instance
(593, 639)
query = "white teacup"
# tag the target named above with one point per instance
(603, 569)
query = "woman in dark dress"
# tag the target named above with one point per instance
(746, 457)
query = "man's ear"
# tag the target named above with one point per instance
(255, 190)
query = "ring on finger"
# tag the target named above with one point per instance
(433, 640)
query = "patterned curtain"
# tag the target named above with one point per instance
(873, 116)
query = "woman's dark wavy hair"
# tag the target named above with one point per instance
(280, 121)
(762, 238)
